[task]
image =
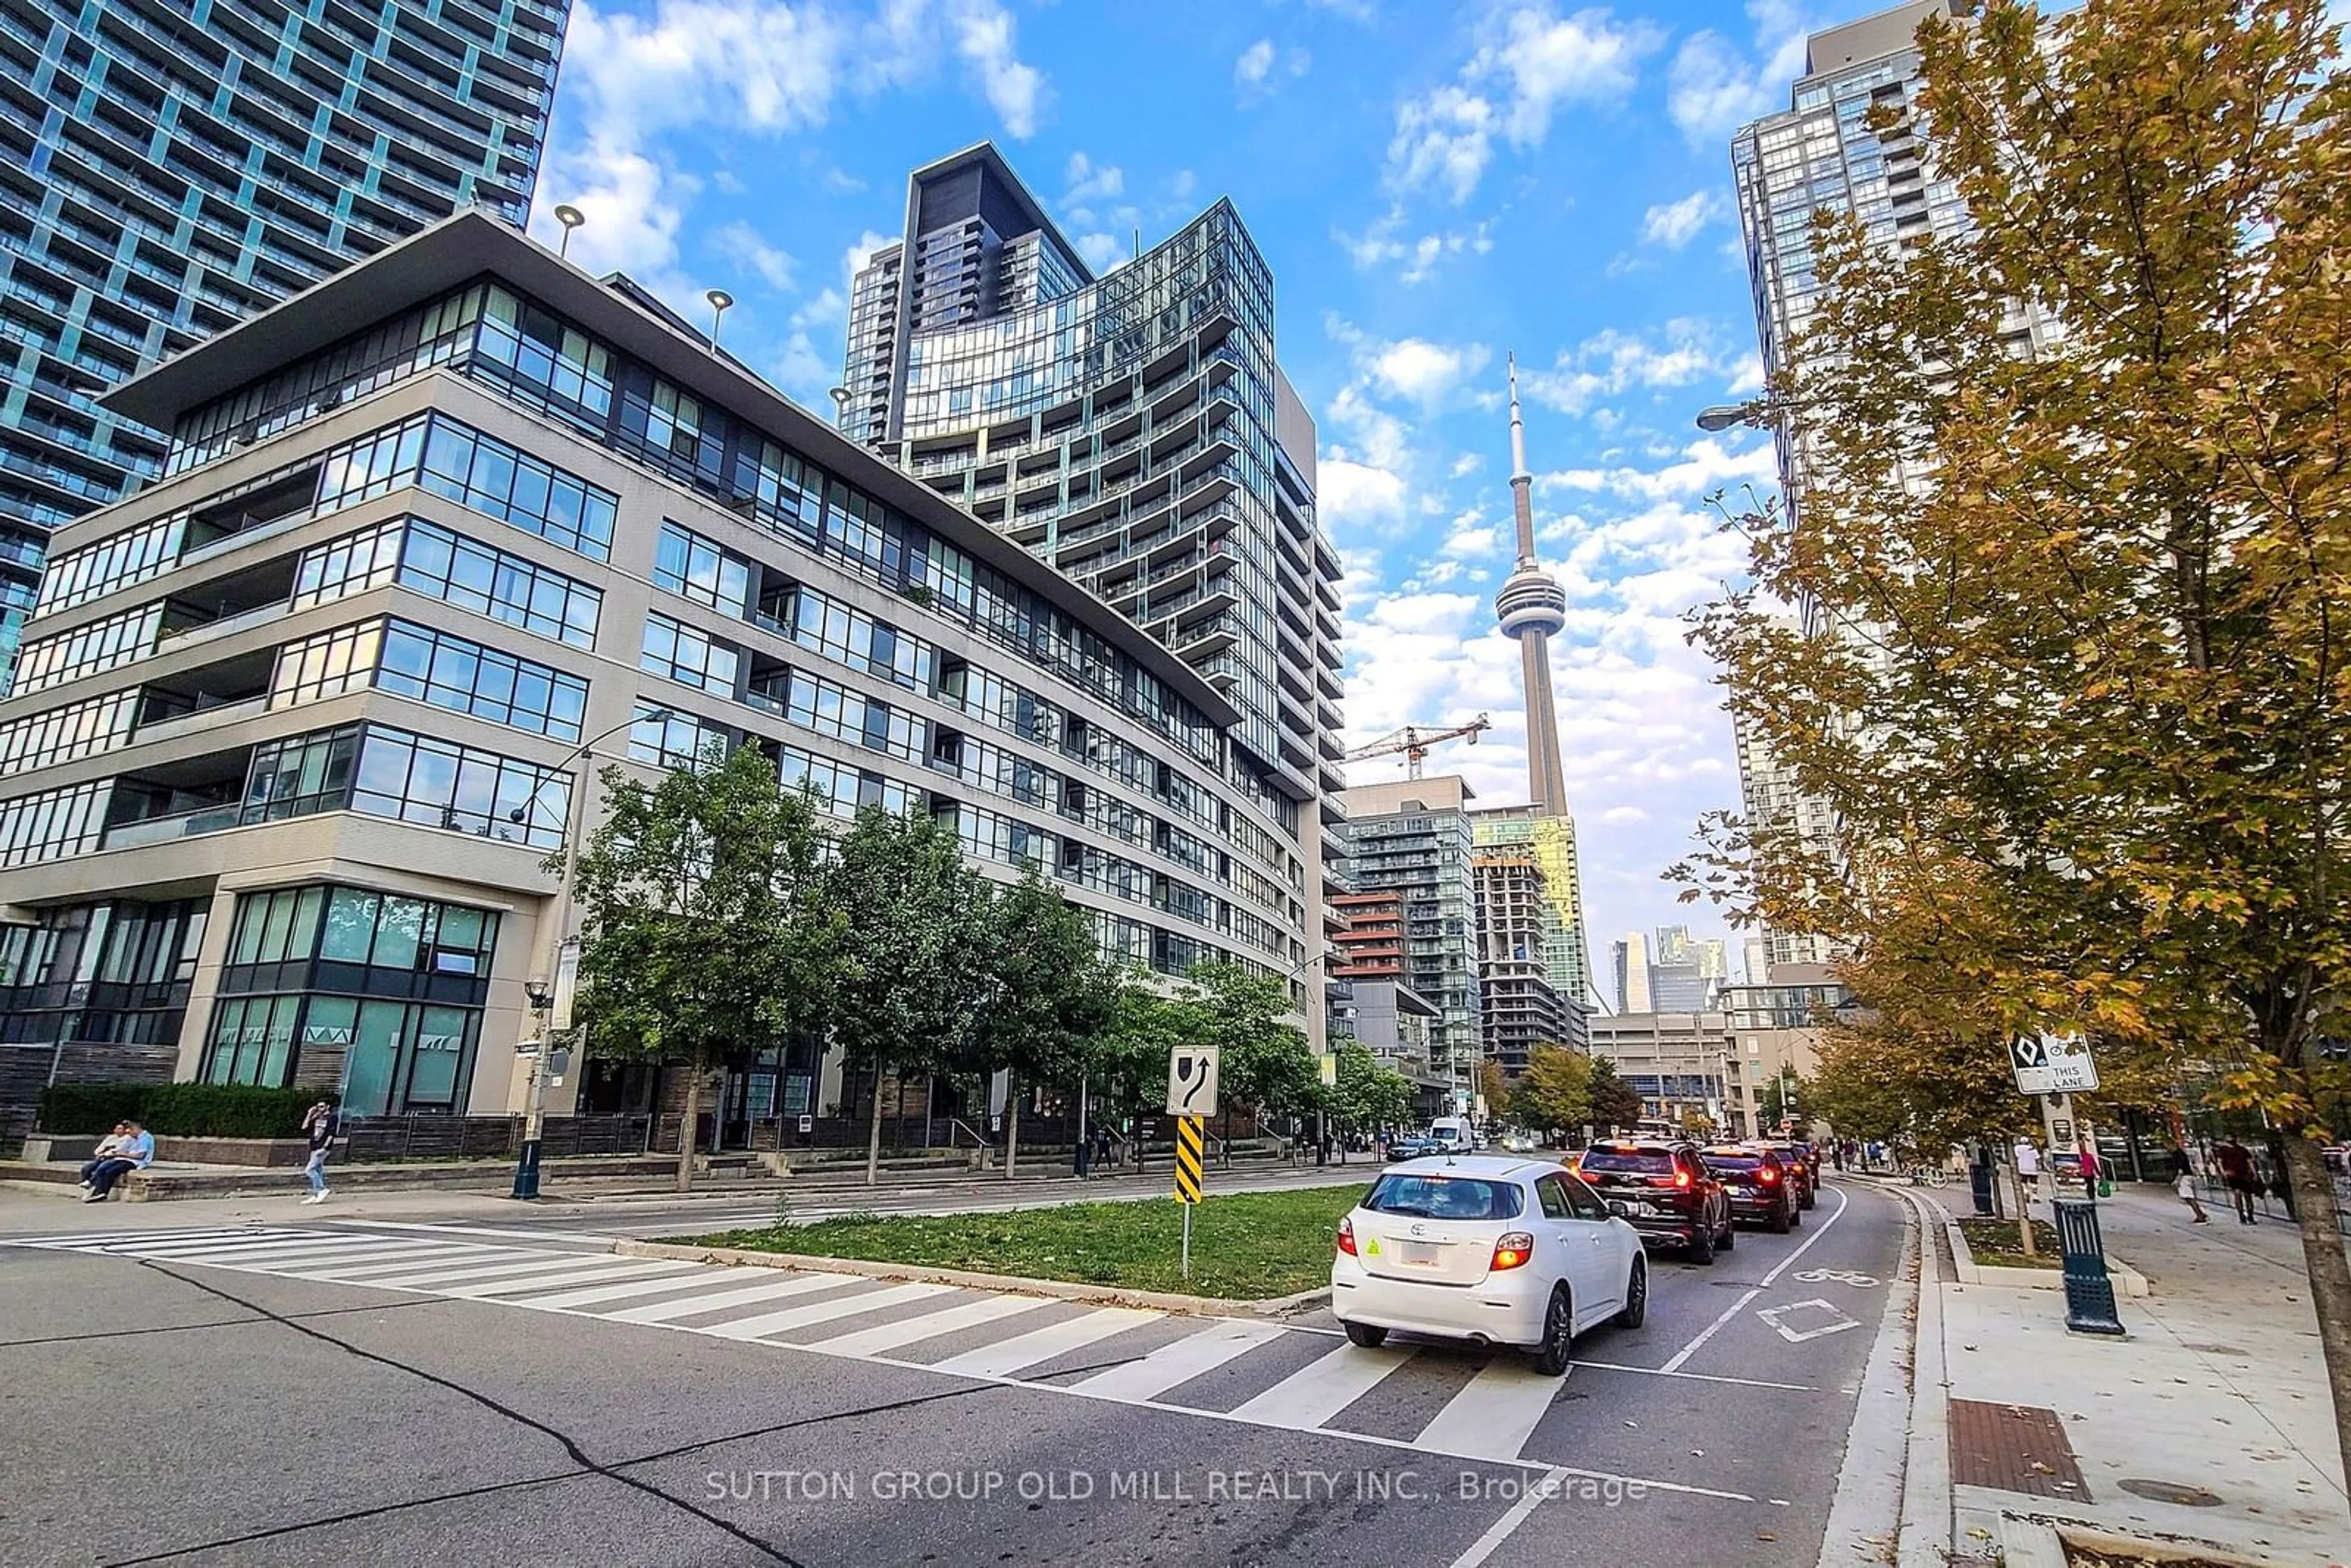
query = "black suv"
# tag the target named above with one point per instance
(1803, 1167)
(1663, 1190)
(1762, 1187)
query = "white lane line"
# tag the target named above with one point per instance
(512, 1232)
(930, 1325)
(222, 1244)
(393, 1259)
(1701, 1377)
(1181, 1361)
(245, 1251)
(1322, 1387)
(821, 1311)
(1008, 1357)
(1739, 1306)
(1502, 1529)
(431, 1277)
(608, 1268)
(765, 1290)
(1494, 1413)
(318, 1255)
(103, 1237)
(565, 1301)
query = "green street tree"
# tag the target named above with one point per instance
(1261, 1059)
(911, 945)
(1369, 1094)
(703, 938)
(1041, 996)
(1129, 1057)
(1785, 1091)
(2081, 710)
(1616, 1105)
(1554, 1095)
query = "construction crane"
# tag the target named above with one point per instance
(1413, 742)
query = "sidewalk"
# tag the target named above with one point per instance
(2210, 1423)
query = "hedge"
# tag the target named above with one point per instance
(176, 1109)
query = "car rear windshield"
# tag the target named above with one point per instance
(1444, 1197)
(1643, 1162)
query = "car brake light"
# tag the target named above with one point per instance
(1681, 1178)
(1768, 1174)
(1514, 1250)
(1347, 1237)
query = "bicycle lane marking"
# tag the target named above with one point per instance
(1741, 1305)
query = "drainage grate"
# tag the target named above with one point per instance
(2171, 1493)
(2013, 1447)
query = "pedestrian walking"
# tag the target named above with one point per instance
(318, 1130)
(2183, 1181)
(2237, 1174)
(2027, 1154)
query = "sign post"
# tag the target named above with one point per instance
(1191, 1095)
(2052, 1069)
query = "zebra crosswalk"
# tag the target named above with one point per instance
(1295, 1377)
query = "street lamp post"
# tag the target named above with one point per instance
(540, 991)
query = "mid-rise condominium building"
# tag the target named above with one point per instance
(1519, 1010)
(298, 724)
(1134, 429)
(1410, 838)
(169, 167)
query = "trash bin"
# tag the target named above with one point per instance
(1980, 1186)
(2089, 1289)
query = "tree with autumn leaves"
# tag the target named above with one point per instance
(2073, 663)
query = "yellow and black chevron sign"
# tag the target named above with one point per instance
(1188, 1158)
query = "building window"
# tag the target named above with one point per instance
(677, 652)
(441, 784)
(130, 557)
(449, 567)
(327, 666)
(63, 734)
(302, 775)
(352, 564)
(689, 565)
(466, 677)
(53, 824)
(88, 650)
(667, 738)
(476, 471)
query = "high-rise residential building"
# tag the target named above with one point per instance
(1134, 429)
(1686, 973)
(172, 166)
(438, 541)
(1550, 838)
(1632, 956)
(1755, 961)
(1519, 1010)
(1411, 838)
(1823, 151)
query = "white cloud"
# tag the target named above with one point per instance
(1610, 362)
(742, 244)
(1350, 496)
(1089, 181)
(1254, 62)
(1102, 251)
(1424, 372)
(1675, 223)
(1714, 87)
(1702, 467)
(1260, 69)
(859, 256)
(1384, 241)
(1530, 62)
(633, 214)
(1468, 463)
(984, 38)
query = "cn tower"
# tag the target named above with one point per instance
(1532, 608)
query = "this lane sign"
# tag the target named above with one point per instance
(2052, 1064)
(1192, 1081)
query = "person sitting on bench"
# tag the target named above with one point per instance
(108, 1148)
(135, 1153)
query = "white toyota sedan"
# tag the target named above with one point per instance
(1493, 1248)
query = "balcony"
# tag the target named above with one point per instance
(175, 799)
(227, 605)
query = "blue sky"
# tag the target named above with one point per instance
(1433, 186)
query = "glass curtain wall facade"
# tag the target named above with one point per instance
(1133, 429)
(486, 526)
(1550, 838)
(1413, 841)
(169, 167)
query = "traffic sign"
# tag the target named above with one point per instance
(1191, 1080)
(1189, 1142)
(2052, 1064)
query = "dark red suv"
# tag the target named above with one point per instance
(1763, 1187)
(1663, 1190)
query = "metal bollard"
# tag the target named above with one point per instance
(2089, 1291)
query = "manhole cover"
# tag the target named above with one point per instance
(2216, 1350)
(2171, 1493)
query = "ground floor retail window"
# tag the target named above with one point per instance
(385, 1057)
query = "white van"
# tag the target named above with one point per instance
(1454, 1133)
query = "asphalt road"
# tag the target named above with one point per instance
(344, 1417)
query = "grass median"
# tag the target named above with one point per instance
(1245, 1246)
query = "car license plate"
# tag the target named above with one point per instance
(1630, 1209)
(1416, 1254)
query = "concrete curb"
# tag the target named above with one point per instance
(1925, 1539)
(2129, 1282)
(1865, 1514)
(1008, 1284)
